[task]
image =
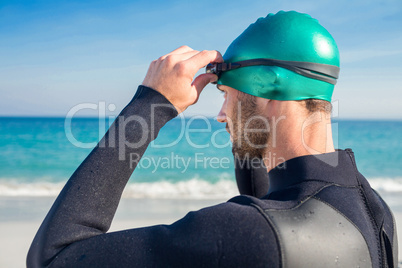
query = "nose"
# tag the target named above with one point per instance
(221, 118)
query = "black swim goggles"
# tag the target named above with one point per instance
(323, 72)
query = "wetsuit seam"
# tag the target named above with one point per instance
(311, 196)
(374, 225)
(307, 197)
(275, 231)
(368, 210)
(393, 226)
(325, 186)
(315, 180)
(301, 201)
(389, 211)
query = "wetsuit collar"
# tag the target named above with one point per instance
(337, 167)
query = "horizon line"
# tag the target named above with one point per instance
(185, 117)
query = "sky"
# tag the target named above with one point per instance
(61, 58)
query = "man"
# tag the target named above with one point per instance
(319, 210)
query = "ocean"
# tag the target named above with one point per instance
(191, 158)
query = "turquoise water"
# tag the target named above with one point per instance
(39, 153)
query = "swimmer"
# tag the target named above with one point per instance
(318, 210)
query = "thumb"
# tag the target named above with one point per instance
(202, 80)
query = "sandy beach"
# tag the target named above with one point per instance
(20, 218)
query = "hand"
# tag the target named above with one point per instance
(172, 75)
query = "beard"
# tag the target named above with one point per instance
(249, 129)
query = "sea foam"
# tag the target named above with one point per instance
(195, 188)
(191, 189)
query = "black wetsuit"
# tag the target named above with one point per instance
(251, 177)
(319, 212)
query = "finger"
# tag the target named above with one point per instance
(204, 57)
(184, 56)
(180, 50)
(202, 80)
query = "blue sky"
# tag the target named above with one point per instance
(55, 55)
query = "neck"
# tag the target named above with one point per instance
(292, 137)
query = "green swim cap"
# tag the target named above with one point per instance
(285, 36)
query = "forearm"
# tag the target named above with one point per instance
(88, 202)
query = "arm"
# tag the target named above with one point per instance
(86, 205)
(74, 231)
(226, 235)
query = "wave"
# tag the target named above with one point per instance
(191, 189)
(30, 189)
(195, 188)
(388, 185)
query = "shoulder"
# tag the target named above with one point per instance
(239, 233)
(240, 212)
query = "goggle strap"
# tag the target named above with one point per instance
(323, 72)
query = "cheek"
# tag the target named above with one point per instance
(229, 110)
(231, 105)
